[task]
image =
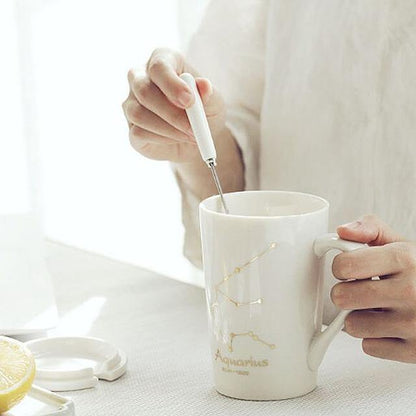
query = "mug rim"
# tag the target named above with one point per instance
(203, 207)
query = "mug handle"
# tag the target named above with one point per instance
(321, 340)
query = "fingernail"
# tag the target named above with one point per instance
(352, 225)
(184, 98)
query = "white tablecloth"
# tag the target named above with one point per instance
(162, 326)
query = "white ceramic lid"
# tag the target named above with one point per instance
(75, 363)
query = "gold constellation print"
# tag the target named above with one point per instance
(250, 334)
(237, 304)
(235, 272)
(215, 306)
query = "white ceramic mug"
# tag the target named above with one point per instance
(264, 291)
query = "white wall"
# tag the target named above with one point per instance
(97, 193)
(15, 195)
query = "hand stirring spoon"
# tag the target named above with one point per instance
(202, 133)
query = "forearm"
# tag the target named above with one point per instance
(197, 178)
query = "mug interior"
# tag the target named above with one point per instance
(265, 204)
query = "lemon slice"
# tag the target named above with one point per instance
(17, 370)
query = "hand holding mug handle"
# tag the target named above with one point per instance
(322, 339)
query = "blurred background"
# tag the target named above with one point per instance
(64, 148)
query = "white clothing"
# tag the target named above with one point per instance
(321, 97)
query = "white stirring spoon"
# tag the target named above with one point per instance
(202, 133)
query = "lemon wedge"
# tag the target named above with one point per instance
(17, 370)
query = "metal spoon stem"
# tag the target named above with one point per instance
(211, 164)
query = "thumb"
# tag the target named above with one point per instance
(211, 98)
(369, 229)
(205, 89)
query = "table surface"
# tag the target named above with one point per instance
(162, 326)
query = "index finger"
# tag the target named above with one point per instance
(374, 261)
(163, 68)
